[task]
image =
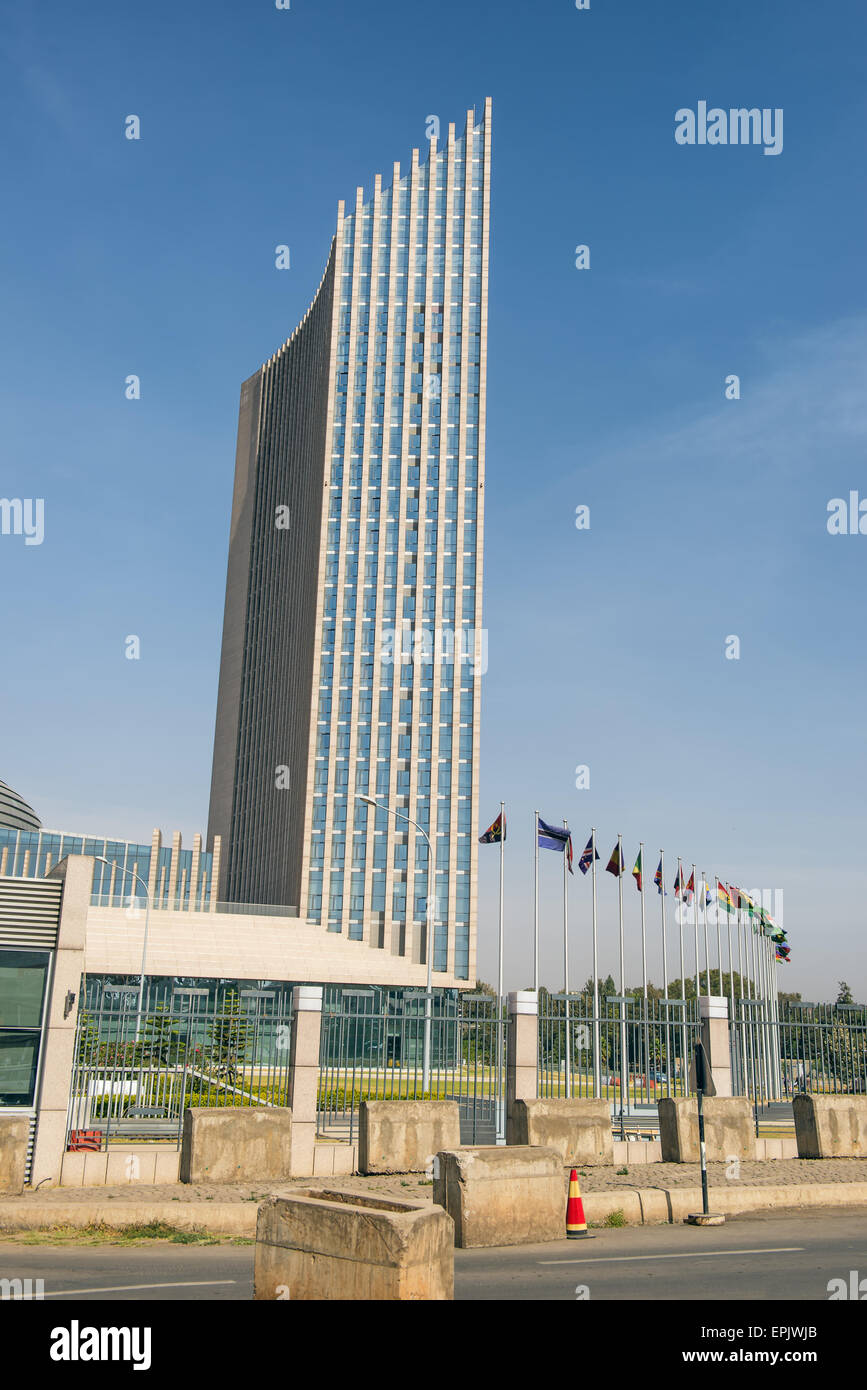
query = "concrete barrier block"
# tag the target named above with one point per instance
(579, 1130)
(320, 1243)
(831, 1126)
(236, 1144)
(14, 1133)
(402, 1136)
(728, 1126)
(502, 1196)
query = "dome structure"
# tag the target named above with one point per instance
(15, 814)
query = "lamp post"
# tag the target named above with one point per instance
(144, 946)
(383, 806)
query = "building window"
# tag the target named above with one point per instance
(23, 978)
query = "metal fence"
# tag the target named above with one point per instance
(372, 1048)
(135, 1072)
(823, 1049)
(630, 1052)
(779, 1052)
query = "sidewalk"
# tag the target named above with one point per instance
(648, 1193)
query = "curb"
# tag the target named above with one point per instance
(649, 1206)
(223, 1218)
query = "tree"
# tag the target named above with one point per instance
(230, 1032)
(844, 994)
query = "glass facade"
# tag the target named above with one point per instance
(352, 643)
(32, 853)
(23, 978)
(398, 681)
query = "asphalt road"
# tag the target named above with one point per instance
(754, 1257)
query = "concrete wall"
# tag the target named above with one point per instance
(502, 1196)
(58, 1043)
(714, 1014)
(321, 1244)
(728, 1123)
(14, 1131)
(236, 1145)
(402, 1136)
(223, 945)
(831, 1126)
(579, 1130)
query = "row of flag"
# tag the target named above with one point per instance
(559, 838)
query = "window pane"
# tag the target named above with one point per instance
(22, 987)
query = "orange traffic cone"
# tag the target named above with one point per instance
(576, 1225)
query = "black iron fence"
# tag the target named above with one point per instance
(630, 1051)
(373, 1047)
(136, 1071)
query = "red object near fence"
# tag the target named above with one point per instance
(85, 1141)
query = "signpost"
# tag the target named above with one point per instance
(701, 1081)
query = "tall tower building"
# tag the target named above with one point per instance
(352, 637)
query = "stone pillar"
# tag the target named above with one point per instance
(304, 1075)
(714, 1013)
(58, 1042)
(522, 1054)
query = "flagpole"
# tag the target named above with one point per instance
(646, 1067)
(756, 1020)
(695, 922)
(760, 977)
(623, 1082)
(778, 1058)
(620, 900)
(683, 1040)
(536, 907)
(766, 1004)
(501, 1099)
(718, 944)
(597, 1061)
(668, 1067)
(706, 941)
(731, 964)
(741, 1053)
(501, 918)
(566, 963)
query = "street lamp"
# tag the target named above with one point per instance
(431, 916)
(144, 946)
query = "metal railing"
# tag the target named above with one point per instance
(630, 1053)
(778, 1053)
(373, 1049)
(135, 1073)
(823, 1049)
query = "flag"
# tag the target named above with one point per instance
(636, 873)
(744, 900)
(782, 953)
(556, 837)
(689, 892)
(708, 895)
(615, 864)
(587, 857)
(657, 878)
(494, 833)
(724, 897)
(678, 883)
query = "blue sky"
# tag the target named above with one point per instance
(606, 388)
